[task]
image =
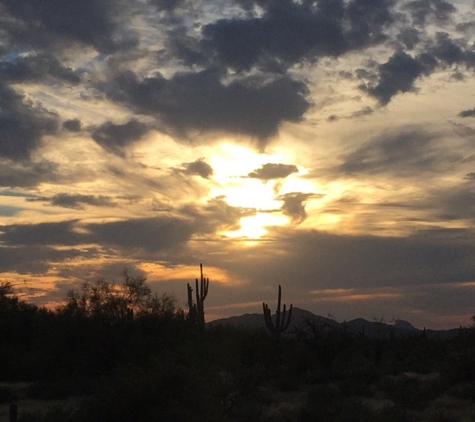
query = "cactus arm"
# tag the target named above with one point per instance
(268, 317)
(281, 322)
(201, 291)
(289, 317)
(279, 297)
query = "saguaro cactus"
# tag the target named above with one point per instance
(281, 322)
(196, 311)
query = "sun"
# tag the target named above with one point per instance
(255, 226)
(232, 167)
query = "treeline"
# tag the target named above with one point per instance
(132, 355)
(100, 327)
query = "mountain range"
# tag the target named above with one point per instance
(303, 319)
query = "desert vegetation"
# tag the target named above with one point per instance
(117, 352)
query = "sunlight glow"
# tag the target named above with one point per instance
(254, 227)
(232, 166)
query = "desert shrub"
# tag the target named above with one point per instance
(463, 390)
(54, 414)
(169, 393)
(340, 409)
(393, 413)
(412, 391)
(6, 394)
(60, 389)
(355, 387)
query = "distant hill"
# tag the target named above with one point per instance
(252, 321)
(303, 319)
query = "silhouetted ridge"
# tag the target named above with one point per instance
(303, 319)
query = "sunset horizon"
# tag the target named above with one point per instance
(326, 146)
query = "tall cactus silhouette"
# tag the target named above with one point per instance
(196, 311)
(281, 322)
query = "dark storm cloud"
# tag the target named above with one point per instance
(26, 174)
(201, 101)
(288, 32)
(169, 233)
(456, 204)
(398, 75)
(467, 27)
(294, 205)
(22, 124)
(151, 234)
(273, 171)
(319, 260)
(430, 10)
(115, 138)
(368, 18)
(410, 37)
(47, 234)
(467, 113)
(285, 33)
(400, 72)
(53, 22)
(72, 125)
(216, 215)
(449, 51)
(76, 201)
(40, 258)
(402, 153)
(188, 49)
(167, 5)
(35, 68)
(200, 168)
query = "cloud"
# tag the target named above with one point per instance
(168, 5)
(114, 138)
(398, 75)
(288, 32)
(424, 10)
(273, 171)
(40, 258)
(456, 204)
(403, 153)
(27, 174)
(448, 51)
(72, 125)
(202, 102)
(410, 37)
(22, 124)
(400, 72)
(467, 113)
(189, 50)
(35, 68)
(150, 234)
(200, 168)
(315, 259)
(216, 215)
(46, 234)
(76, 201)
(294, 205)
(58, 23)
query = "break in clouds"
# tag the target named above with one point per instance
(117, 118)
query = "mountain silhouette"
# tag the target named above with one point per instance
(303, 319)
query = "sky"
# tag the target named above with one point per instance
(326, 146)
